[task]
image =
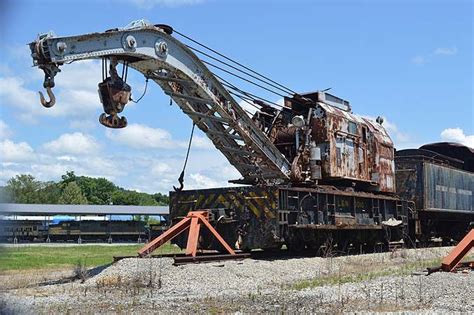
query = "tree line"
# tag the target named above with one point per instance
(73, 189)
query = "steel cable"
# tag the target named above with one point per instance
(242, 78)
(289, 91)
(241, 71)
(248, 94)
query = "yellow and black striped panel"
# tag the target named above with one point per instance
(262, 202)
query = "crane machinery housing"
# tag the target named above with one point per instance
(312, 170)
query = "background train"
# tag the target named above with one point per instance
(79, 231)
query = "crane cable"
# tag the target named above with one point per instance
(248, 94)
(242, 78)
(276, 85)
(236, 62)
(181, 176)
(241, 71)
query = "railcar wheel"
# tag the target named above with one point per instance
(295, 243)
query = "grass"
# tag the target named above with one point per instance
(364, 275)
(57, 257)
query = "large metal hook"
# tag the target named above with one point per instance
(52, 98)
(181, 182)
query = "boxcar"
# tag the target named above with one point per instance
(439, 179)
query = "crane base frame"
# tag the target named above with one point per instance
(193, 222)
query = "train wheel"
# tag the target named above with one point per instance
(295, 243)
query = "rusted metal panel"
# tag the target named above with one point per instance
(447, 189)
(261, 217)
(353, 148)
(459, 252)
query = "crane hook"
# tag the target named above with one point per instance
(52, 98)
(181, 182)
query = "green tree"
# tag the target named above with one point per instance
(97, 190)
(72, 195)
(67, 178)
(23, 189)
(49, 193)
(162, 199)
(125, 197)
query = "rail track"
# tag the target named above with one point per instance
(214, 256)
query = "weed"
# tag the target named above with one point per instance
(80, 271)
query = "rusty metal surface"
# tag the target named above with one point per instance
(257, 217)
(459, 252)
(192, 222)
(353, 150)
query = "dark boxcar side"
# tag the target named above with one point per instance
(441, 191)
(447, 189)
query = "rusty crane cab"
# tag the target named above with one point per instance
(328, 144)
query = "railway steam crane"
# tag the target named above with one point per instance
(316, 171)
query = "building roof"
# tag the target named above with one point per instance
(46, 209)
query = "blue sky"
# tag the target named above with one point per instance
(409, 61)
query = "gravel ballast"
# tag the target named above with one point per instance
(371, 282)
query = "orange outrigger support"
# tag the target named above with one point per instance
(450, 262)
(193, 221)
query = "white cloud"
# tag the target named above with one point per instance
(202, 181)
(80, 75)
(73, 143)
(457, 135)
(160, 169)
(141, 137)
(14, 94)
(149, 4)
(421, 59)
(5, 131)
(418, 60)
(75, 91)
(448, 51)
(15, 152)
(202, 142)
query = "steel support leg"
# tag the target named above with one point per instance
(193, 221)
(459, 252)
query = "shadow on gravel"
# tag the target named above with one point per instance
(90, 273)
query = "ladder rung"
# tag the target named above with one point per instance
(223, 134)
(168, 79)
(229, 149)
(201, 115)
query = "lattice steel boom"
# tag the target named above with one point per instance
(162, 58)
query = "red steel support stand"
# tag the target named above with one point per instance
(193, 221)
(462, 249)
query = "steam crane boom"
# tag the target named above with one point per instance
(162, 58)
